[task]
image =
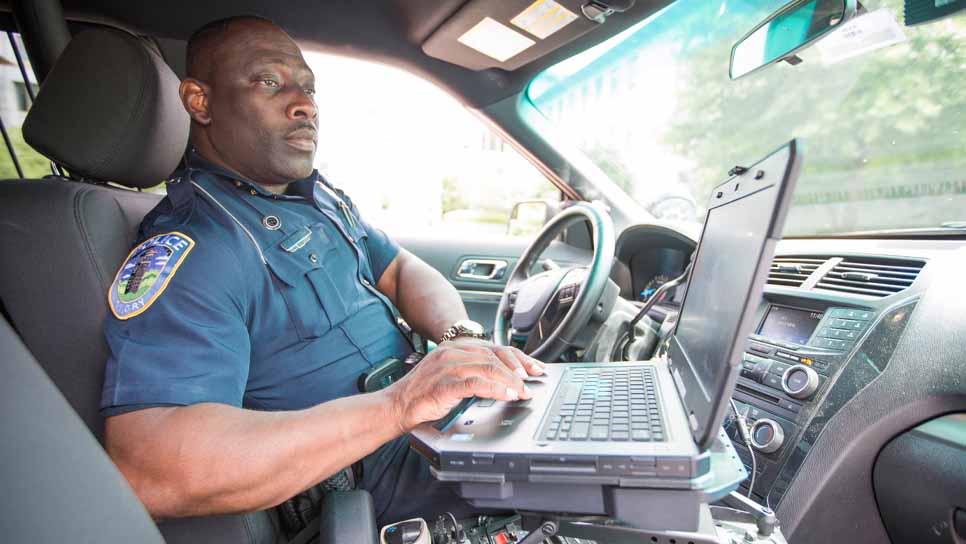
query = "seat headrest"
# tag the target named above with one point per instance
(109, 110)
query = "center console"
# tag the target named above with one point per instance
(789, 364)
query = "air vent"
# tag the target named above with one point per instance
(871, 277)
(793, 271)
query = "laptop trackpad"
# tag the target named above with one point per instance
(493, 422)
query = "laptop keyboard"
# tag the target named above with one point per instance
(612, 403)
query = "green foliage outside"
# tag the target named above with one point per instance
(34, 164)
(864, 119)
(884, 128)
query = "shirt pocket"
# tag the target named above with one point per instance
(311, 297)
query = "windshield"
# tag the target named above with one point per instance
(881, 106)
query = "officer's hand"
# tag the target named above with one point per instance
(520, 363)
(457, 370)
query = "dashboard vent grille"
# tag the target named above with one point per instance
(871, 276)
(793, 271)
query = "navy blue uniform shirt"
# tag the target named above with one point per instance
(242, 297)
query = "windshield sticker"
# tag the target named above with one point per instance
(146, 273)
(861, 35)
(543, 18)
(495, 40)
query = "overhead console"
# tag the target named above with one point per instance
(508, 34)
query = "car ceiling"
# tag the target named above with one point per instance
(389, 31)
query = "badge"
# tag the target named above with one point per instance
(146, 273)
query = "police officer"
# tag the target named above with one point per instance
(258, 295)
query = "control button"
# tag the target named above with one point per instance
(778, 367)
(759, 349)
(841, 345)
(821, 365)
(754, 358)
(848, 313)
(773, 380)
(848, 324)
(850, 335)
(792, 407)
(767, 435)
(799, 382)
(787, 356)
(831, 343)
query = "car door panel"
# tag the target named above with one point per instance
(482, 296)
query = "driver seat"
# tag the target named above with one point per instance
(109, 111)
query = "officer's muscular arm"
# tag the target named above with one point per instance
(213, 458)
(428, 302)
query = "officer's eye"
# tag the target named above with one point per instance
(269, 82)
(310, 91)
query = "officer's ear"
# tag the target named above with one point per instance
(194, 96)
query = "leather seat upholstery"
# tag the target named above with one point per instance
(46, 489)
(109, 111)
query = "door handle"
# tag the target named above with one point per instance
(482, 269)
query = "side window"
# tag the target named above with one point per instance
(415, 161)
(15, 102)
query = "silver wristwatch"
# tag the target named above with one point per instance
(463, 327)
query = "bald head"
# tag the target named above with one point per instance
(250, 95)
(206, 42)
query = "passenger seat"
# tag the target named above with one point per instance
(109, 111)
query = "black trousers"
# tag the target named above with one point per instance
(402, 487)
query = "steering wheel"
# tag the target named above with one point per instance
(552, 307)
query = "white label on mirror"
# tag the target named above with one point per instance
(865, 33)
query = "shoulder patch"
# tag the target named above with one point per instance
(146, 273)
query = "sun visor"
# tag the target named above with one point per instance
(508, 34)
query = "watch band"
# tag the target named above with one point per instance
(463, 328)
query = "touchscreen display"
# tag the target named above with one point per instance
(789, 324)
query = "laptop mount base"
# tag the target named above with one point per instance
(643, 507)
(717, 525)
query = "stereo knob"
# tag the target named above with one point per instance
(767, 435)
(800, 382)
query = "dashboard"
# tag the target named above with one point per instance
(855, 342)
(647, 257)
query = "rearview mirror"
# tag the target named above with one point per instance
(787, 32)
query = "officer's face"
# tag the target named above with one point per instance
(264, 122)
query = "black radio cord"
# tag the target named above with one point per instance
(655, 297)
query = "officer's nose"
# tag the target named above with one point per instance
(302, 107)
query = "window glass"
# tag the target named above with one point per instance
(413, 159)
(880, 104)
(14, 104)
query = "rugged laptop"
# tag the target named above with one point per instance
(648, 423)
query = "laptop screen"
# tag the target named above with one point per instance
(745, 218)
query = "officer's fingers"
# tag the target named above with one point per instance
(529, 365)
(511, 361)
(493, 369)
(464, 363)
(478, 386)
(533, 366)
